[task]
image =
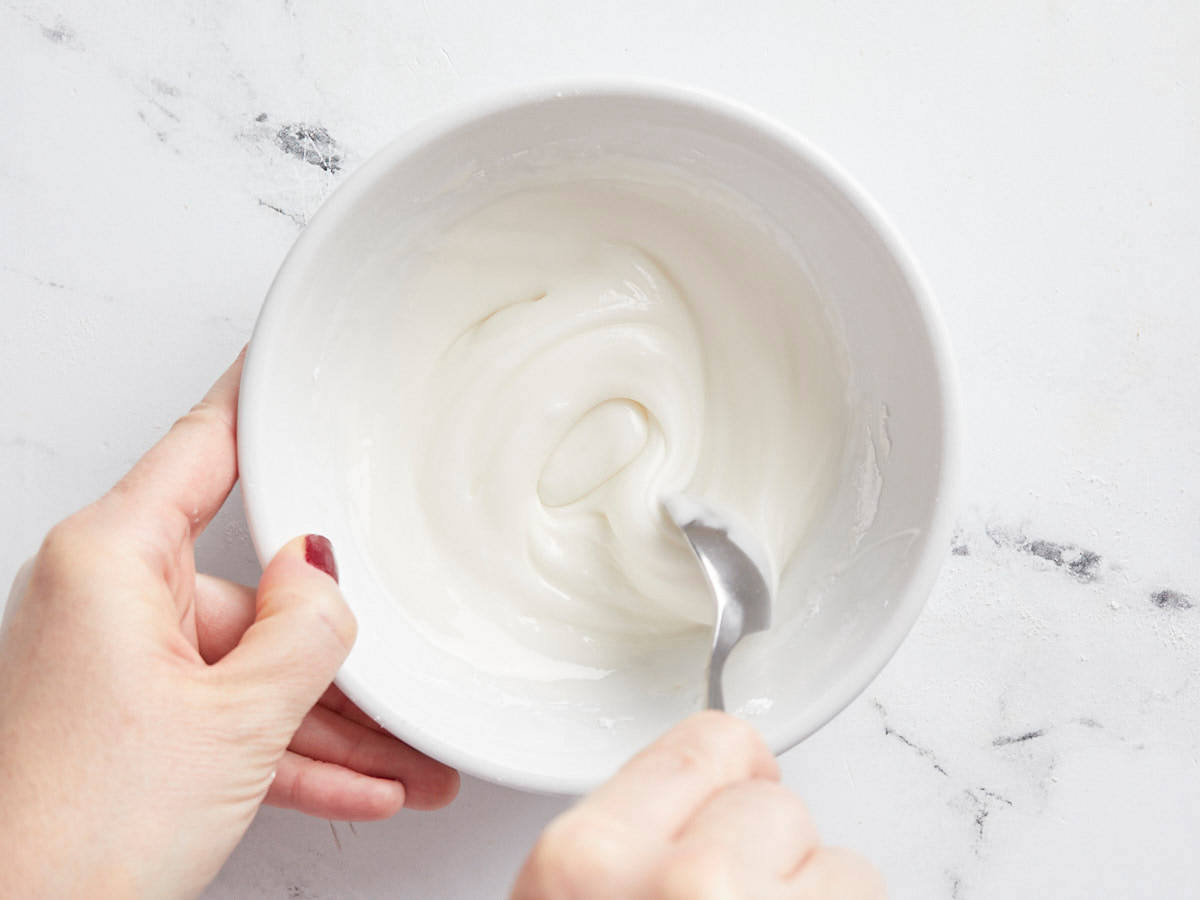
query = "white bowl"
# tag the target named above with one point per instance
(902, 459)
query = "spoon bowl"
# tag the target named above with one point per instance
(739, 575)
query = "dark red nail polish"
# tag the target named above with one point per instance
(318, 553)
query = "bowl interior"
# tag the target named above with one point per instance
(853, 592)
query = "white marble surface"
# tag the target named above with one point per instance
(1038, 734)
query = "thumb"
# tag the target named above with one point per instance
(302, 630)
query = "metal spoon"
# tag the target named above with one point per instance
(737, 570)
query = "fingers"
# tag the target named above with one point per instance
(587, 857)
(334, 699)
(335, 730)
(187, 475)
(301, 634)
(698, 814)
(760, 825)
(616, 841)
(224, 610)
(834, 872)
(330, 792)
(326, 736)
(19, 585)
(658, 790)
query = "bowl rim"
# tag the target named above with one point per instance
(912, 594)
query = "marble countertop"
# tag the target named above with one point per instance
(1038, 733)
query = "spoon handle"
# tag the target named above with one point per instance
(726, 633)
(715, 698)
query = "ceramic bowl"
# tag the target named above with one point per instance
(849, 611)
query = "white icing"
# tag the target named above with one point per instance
(560, 361)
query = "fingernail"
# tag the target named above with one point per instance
(318, 553)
